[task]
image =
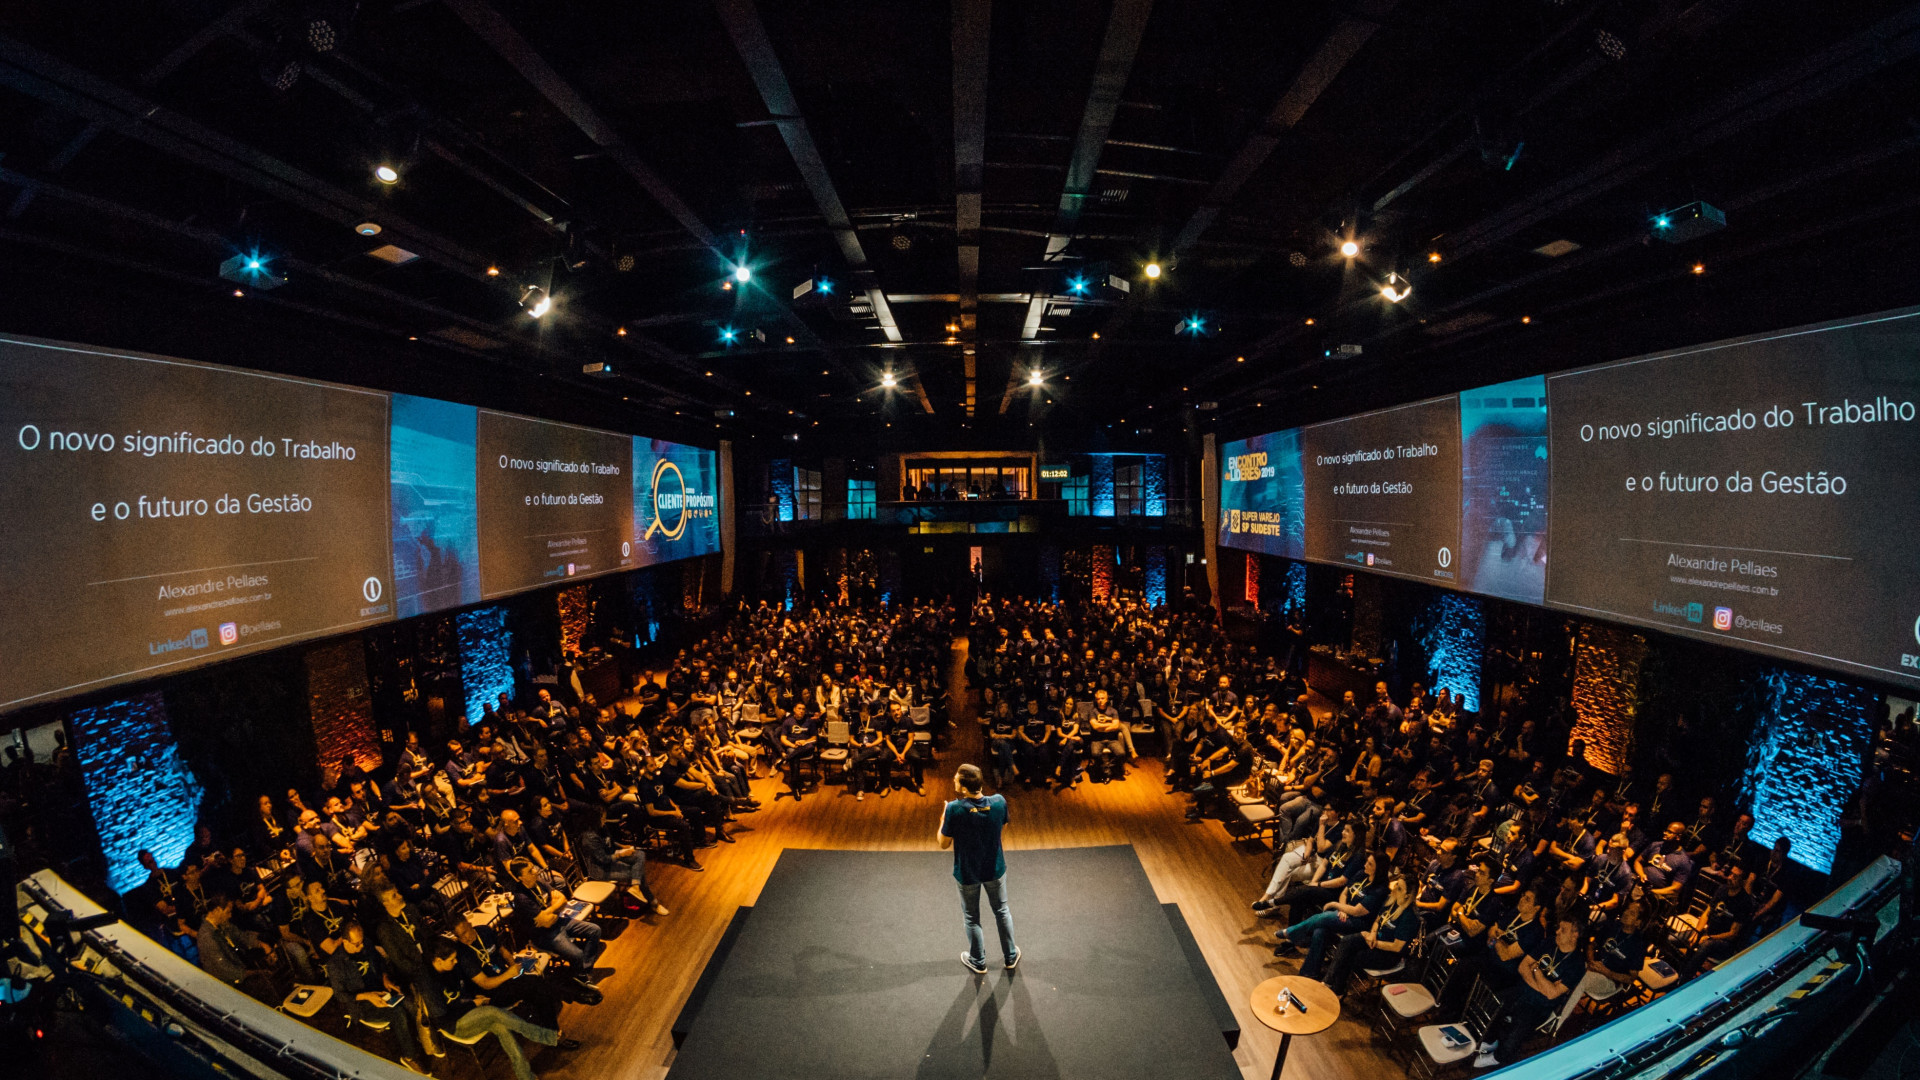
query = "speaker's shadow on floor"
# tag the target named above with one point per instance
(990, 1029)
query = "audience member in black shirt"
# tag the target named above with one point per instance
(454, 1006)
(359, 979)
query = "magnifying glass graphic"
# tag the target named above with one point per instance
(660, 469)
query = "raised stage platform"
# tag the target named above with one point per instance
(848, 966)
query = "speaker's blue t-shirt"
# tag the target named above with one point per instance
(974, 825)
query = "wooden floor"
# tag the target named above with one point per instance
(1199, 867)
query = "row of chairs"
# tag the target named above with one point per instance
(1406, 1014)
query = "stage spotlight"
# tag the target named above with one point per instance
(1349, 249)
(368, 228)
(1699, 268)
(1033, 377)
(728, 334)
(1077, 285)
(1396, 288)
(386, 174)
(493, 271)
(1153, 270)
(824, 285)
(321, 36)
(621, 332)
(536, 300)
(741, 274)
(1433, 256)
(887, 380)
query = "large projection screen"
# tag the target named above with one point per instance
(1762, 493)
(161, 514)
(556, 502)
(1383, 491)
(1262, 501)
(676, 501)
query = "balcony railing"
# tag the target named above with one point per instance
(982, 516)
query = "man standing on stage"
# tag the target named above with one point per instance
(971, 827)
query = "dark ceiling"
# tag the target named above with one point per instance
(952, 171)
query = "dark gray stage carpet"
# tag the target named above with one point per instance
(850, 967)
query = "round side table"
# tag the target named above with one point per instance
(1322, 1009)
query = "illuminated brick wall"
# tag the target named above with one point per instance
(1100, 484)
(788, 576)
(486, 657)
(1452, 631)
(576, 607)
(1156, 575)
(1804, 760)
(1101, 566)
(1296, 589)
(1606, 690)
(1250, 580)
(780, 488)
(340, 704)
(141, 791)
(643, 591)
(1153, 484)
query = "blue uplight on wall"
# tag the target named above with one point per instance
(780, 489)
(1452, 631)
(486, 658)
(788, 566)
(1155, 577)
(1050, 572)
(1100, 484)
(1153, 485)
(1296, 587)
(142, 792)
(649, 607)
(1805, 760)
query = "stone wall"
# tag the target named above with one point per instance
(1805, 760)
(340, 704)
(141, 791)
(1606, 692)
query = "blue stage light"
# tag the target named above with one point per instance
(825, 286)
(1662, 222)
(1077, 286)
(728, 334)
